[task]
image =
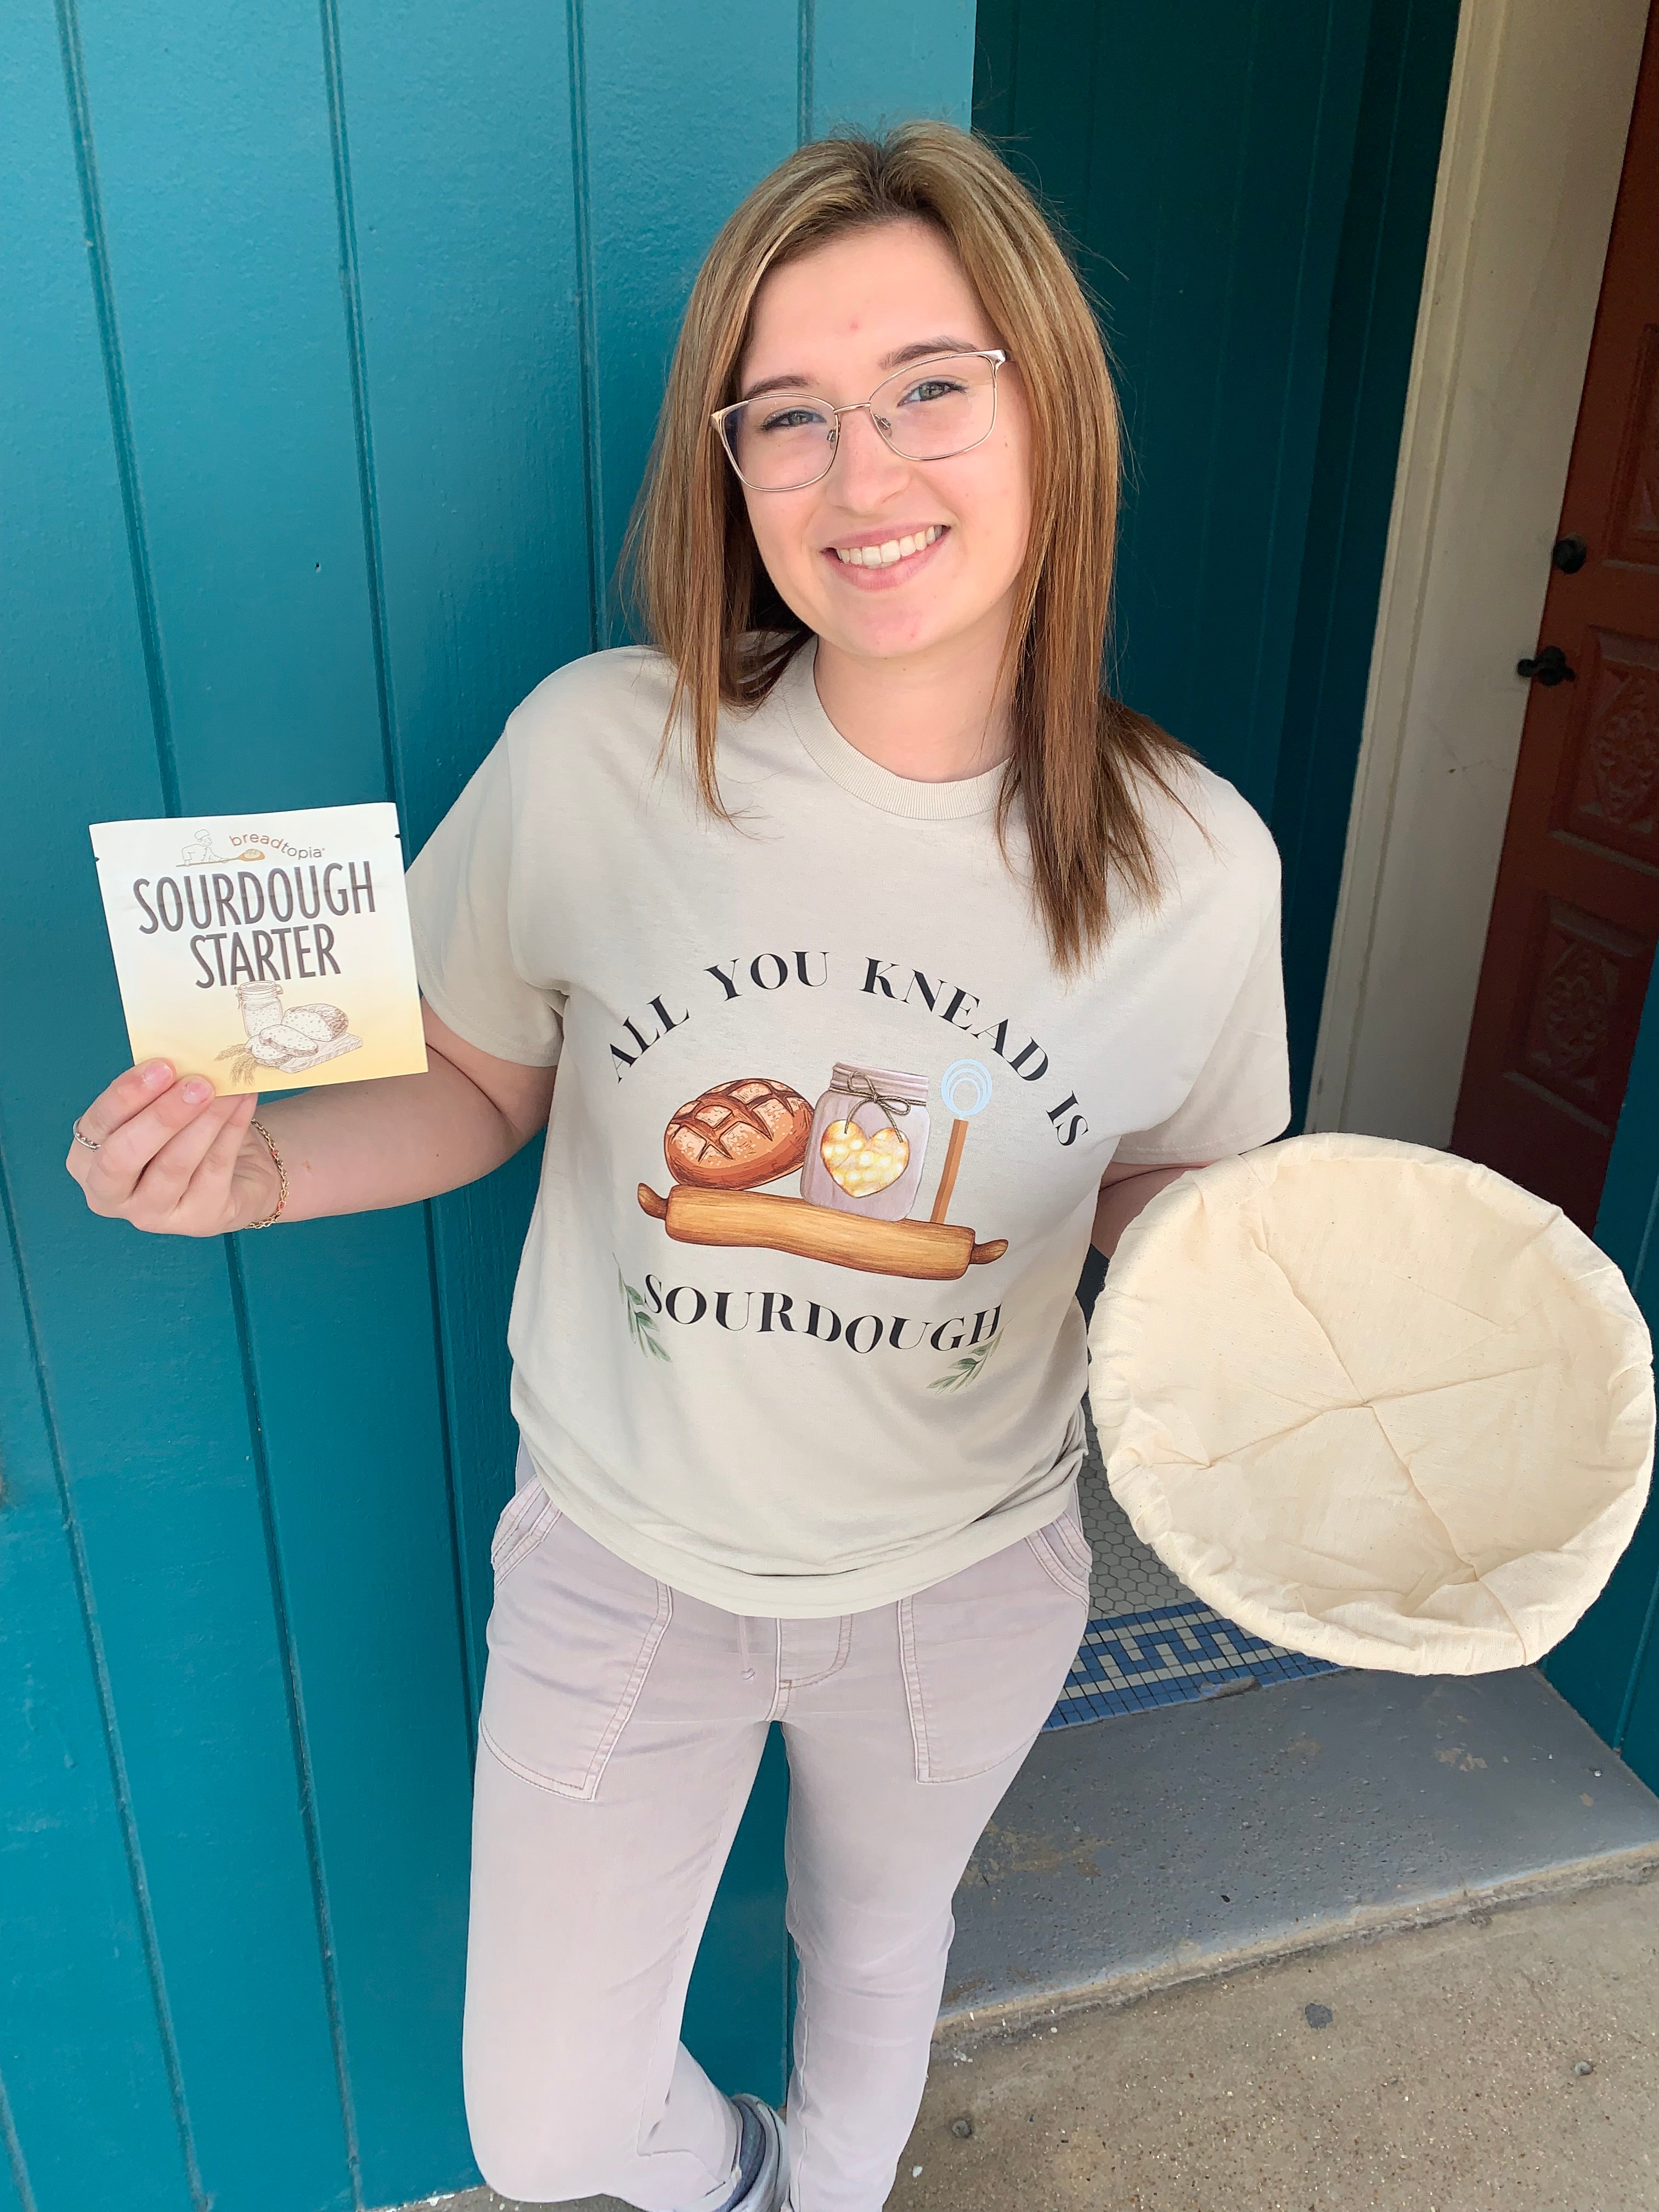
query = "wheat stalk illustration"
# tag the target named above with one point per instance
(642, 1322)
(243, 1066)
(969, 1367)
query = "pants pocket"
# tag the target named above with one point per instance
(1064, 1551)
(572, 1636)
(986, 1652)
(526, 1518)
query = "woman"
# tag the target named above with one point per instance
(797, 1382)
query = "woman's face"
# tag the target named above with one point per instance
(836, 324)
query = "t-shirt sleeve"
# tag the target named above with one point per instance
(461, 889)
(1241, 1096)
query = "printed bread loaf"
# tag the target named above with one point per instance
(318, 1021)
(735, 1135)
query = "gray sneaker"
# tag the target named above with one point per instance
(766, 2192)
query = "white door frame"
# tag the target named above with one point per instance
(1536, 121)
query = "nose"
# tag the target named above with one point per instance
(867, 466)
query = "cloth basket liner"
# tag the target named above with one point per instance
(1375, 1403)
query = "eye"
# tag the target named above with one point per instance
(931, 387)
(795, 416)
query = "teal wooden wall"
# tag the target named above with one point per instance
(1373, 325)
(1198, 152)
(1249, 188)
(332, 334)
(1608, 1668)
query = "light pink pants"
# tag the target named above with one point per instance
(623, 1724)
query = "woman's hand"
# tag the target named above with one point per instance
(1123, 1191)
(173, 1157)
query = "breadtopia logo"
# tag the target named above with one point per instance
(257, 845)
(245, 845)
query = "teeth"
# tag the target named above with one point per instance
(894, 549)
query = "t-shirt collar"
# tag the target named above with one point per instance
(865, 778)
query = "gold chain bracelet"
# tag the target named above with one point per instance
(282, 1177)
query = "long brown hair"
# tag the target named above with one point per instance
(708, 604)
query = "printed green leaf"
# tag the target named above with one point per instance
(972, 1364)
(642, 1322)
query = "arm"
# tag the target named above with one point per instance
(1123, 1191)
(174, 1159)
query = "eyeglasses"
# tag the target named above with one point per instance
(927, 412)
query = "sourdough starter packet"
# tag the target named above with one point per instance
(265, 951)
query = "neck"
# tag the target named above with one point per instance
(933, 717)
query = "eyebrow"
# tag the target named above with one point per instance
(921, 349)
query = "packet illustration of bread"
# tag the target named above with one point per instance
(265, 951)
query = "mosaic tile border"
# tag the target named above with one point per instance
(1172, 1655)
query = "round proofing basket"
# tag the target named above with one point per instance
(1374, 1403)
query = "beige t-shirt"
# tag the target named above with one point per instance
(746, 1357)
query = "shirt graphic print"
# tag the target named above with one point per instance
(794, 1328)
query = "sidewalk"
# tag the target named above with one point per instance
(1444, 2080)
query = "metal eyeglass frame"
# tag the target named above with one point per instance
(995, 355)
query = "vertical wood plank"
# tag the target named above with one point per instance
(1305, 71)
(16, 2193)
(74, 1979)
(1609, 1667)
(474, 384)
(1164, 209)
(264, 440)
(473, 377)
(136, 1337)
(1378, 284)
(218, 182)
(738, 2008)
(76, 2004)
(1219, 320)
(874, 65)
(655, 196)
(1208, 209)
(343, 1336)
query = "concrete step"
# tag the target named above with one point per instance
(1139, 1852)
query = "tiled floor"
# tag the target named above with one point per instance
(1150, 1641)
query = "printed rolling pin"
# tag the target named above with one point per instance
(930, 1251)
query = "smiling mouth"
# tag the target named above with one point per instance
(894, 549)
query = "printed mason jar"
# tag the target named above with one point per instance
(868, 1140)
(262, 1007)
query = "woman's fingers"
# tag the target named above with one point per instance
(189, 1177)
(128, 1095)
(137, 1119)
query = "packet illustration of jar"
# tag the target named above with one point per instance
(868, 1142)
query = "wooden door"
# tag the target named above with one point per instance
(1575, 913)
